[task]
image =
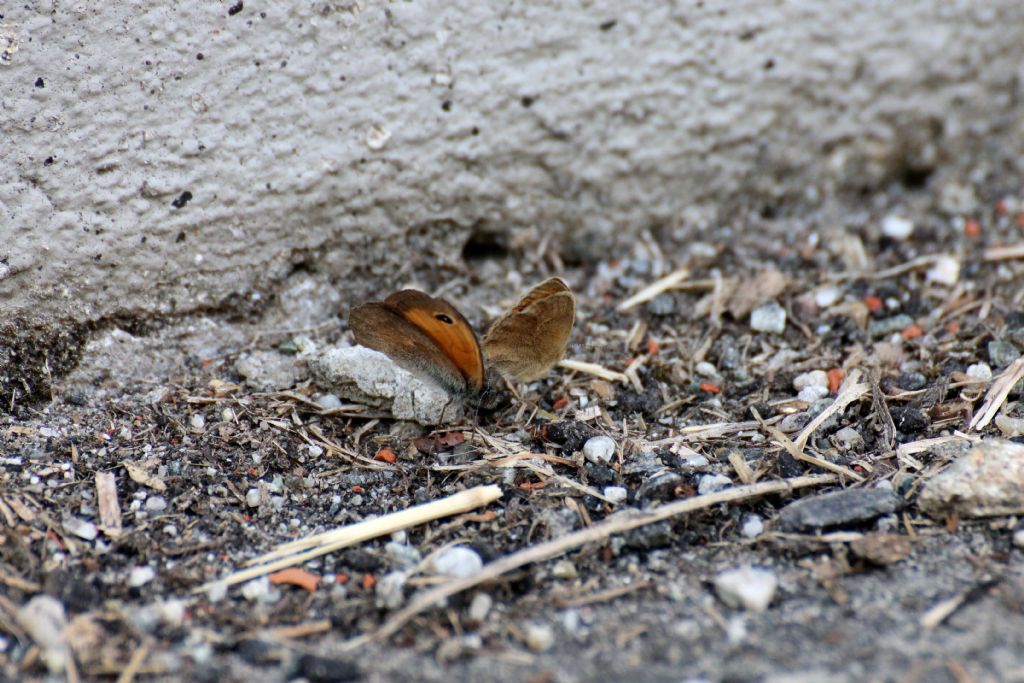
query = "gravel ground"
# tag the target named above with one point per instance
(172, 455)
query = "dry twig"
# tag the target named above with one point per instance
(997, 394)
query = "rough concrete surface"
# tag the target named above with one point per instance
(173, 158)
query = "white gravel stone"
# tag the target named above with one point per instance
(79, 527)
(217, 591)
(257, 589)
(980, 371)
(615, 494)
(539, 637)
(141, 575)
(390, 590)
(1018, 538)
(812, 394)
(252, 498)
(753, 526)
(848, 438)
(769, 318)
(599, 449)
(751, 588)
(458, 562)
(827, 295)
(44, 619)
(945, 271)
(328, 401)
(198, 422)
(480, 606)
(814, 378)
(705, 369)
(710, 483)
(404, 556)
(897, 227)
(564, 569)
(1009, 426)
(155, 504)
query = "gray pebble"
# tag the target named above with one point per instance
(661, 305)
(884, 326)
(841, 507)
(662, 486)
(710, 483)
(1001, 353)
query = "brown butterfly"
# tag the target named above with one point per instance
(429, 337)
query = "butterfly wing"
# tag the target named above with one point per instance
(528, 339)
(424, 335)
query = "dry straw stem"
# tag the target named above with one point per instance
(558, 546)
(291, 554)
(593, 369)
(654, 289)
(1008, 253)
(997, 394)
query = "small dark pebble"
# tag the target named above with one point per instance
(362, 561)
(841, 507)
(662, 486)
(182, 199)
(909, 420)
(259, 651)
(912, 381)
(648, 537)
(326, 670)
(789, 466)
(570, 434)
(897, 323)
(1001, 353)
(646, 403)
(600, 475)
(76, 594)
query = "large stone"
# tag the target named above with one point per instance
(985, 481)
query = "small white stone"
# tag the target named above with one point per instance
(706, 369)
(458, 562)
(480, 606)
(539, 637)
(155, 504)
(980, 371)
(328, 401)
(769, 318)
(377, 137)
(140, 576)
(897, 227)
(848, 438)
(1018, 538)
(711, 483)
(599, 450)
(217, 591)
(615, 494)
(44, 618)
(751, 588)
(80, 527)
(198, 422)
(257, 589)
(812, 394)
(814, 378)
(252, 498)
(753, 526)
(390, 590)
(564, 569)
(946, 271)
(827, 295)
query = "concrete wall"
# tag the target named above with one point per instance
(166, 158)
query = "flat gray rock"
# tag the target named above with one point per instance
(851, 506)
(986, 481)
(371, 378)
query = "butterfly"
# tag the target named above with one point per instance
(429, 337)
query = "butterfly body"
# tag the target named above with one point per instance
(429, 337)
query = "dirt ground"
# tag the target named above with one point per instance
(211, 436)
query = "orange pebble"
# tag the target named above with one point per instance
(369, 581)
(652, 347)
(953, 327)
(560, 403)
(296, 577)
(972, 228)
(710, 388)
(835, 378)
(873, 303)
(386, 455)
(912, 332)
(356, 488)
